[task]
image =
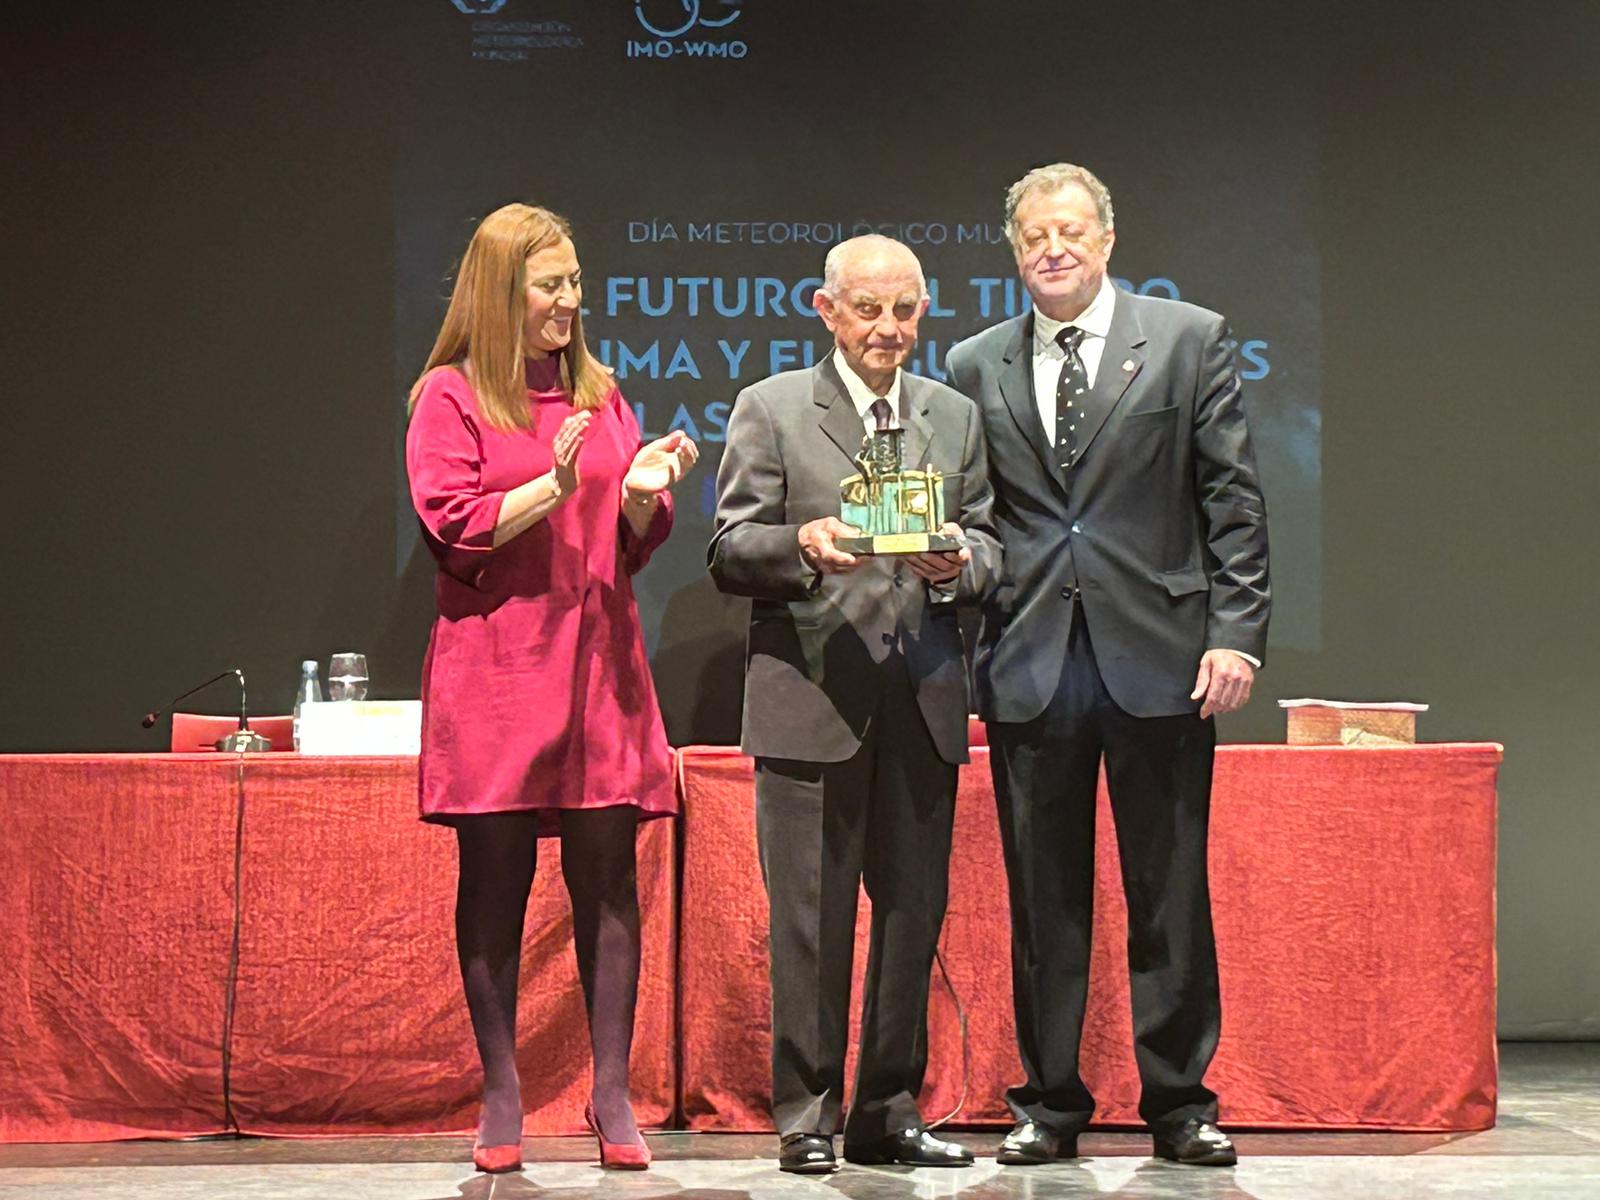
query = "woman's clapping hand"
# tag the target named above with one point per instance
(660, 464)
(568, 441)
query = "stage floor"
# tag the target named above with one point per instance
(1546, 1147)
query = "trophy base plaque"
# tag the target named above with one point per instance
(901, 543)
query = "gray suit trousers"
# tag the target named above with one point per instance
(883, 816)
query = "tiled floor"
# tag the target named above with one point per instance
(1546, 1147)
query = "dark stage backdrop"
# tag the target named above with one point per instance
(712, 160)
(229, 232)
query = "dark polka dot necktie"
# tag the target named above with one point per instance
(1070, 393)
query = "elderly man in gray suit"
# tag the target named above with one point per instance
(855, 706)
(1133, 607)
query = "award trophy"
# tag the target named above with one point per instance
(898, 511)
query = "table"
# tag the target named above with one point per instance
(342, 1011)
(1353, 893)
(1353, 897)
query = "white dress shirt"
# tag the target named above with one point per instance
(863, 397)
(1049, 360)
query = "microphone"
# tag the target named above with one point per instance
(242, 738)
(153, 715)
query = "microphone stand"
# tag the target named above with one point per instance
(241, 739)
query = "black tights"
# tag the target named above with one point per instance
(498, 854)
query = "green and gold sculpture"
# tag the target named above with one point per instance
(897, 511)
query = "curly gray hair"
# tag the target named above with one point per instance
(1053, 178)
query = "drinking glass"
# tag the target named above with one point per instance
(347, 677)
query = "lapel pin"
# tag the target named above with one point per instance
(1127, 364)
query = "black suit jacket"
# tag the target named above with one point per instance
(1160, 521)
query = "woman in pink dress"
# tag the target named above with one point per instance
(539, 716)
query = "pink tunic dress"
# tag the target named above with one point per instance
(536, 691)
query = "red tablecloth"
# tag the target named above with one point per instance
(1353, 892)
(114, 933)
(1354, 902)
(348, 1015)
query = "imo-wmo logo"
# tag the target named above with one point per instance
(687, 29)
(479, 8)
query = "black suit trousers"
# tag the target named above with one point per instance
(883, 817)
(1158, 771)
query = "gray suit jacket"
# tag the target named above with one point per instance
(816, 641)
(1160, 521)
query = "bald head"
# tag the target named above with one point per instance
(871, 254)
(871, 298)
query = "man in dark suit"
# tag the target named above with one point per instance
(1132, 607)
(855, 705)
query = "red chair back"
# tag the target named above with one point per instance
(193, 732)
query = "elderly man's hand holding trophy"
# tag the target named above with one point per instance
(888, 510)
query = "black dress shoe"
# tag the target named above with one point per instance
(1196, 1143)
(1030, 1144)
(913, 1148)
(807, 1154)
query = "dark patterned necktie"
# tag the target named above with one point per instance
(1070, 392)
(882, 414)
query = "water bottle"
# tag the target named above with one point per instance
(309, 692)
